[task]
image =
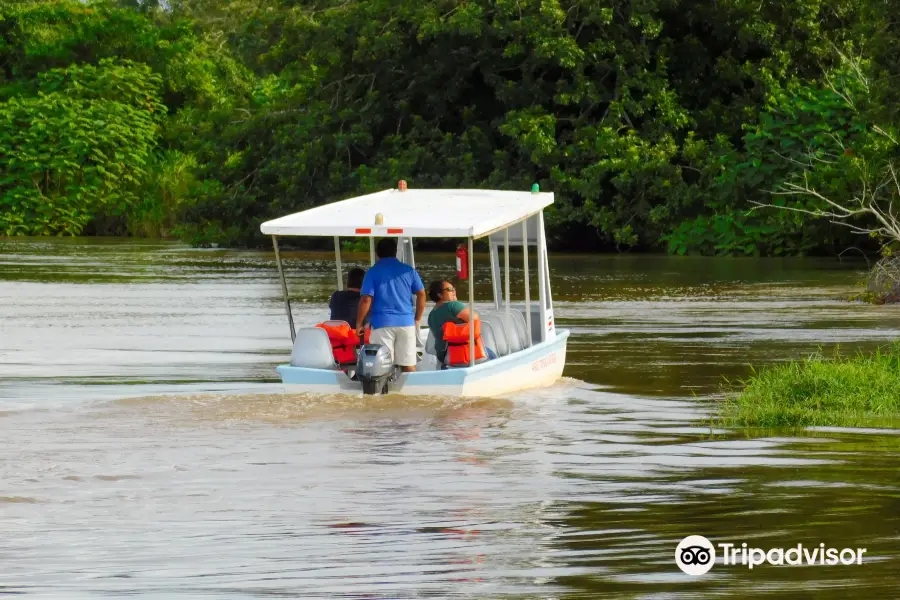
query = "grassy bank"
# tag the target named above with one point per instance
(862, 390)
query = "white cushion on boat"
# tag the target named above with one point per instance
(519, 321)
(312, 349)
(513, 338)
(429, 344)
(500, 336)
(487, 336)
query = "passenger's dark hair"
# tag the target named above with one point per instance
(435, 289)
(386, 248)
(355, 277)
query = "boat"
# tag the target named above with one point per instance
(527, 350)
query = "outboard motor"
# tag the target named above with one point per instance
(374, 368)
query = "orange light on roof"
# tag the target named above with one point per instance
(363, 230)
(402, 185)
(390, 231)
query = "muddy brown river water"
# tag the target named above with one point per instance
(147, 448)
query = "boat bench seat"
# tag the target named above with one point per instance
(489, 338)
(503, 333)
(499, 344)
(344, 341)
(312, 349)
(511, 325)
(518, 318)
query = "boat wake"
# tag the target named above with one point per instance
(294, 408)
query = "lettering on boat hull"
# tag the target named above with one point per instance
(543, 363)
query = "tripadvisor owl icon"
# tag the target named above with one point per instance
(695, 555)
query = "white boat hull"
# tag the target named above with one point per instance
(538, 366)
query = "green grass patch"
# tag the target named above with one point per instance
(857, 391)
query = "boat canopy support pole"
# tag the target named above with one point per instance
(287, 300)
(495, 272)
(409, 252)
(337, 260)
(506, 266)
(371, 250)
(549, 318)
(471, 305)
(527, 281)
(543, 288)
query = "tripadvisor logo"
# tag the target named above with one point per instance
(696, 555)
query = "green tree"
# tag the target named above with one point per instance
(654, 121)
(79, 147)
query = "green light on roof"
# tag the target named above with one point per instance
(535, 188)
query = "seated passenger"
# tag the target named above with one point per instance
(447, 309)
(345, 303)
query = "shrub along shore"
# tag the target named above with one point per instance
(841, 391)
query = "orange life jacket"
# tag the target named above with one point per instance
(344, 341)
(457, 338)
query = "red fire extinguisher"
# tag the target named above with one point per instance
(462, 263)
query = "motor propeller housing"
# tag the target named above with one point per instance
(374, 368)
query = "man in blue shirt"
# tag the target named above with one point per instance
(387, 290)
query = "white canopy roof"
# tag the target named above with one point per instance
(414, 213)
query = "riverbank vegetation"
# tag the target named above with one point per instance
(856, 391)
(660, 125)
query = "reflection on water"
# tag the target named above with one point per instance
(149, 450)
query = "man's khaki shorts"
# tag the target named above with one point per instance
(401, 341)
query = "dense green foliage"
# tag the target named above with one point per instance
(79, 147)
(842, 391)
(657, 123)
